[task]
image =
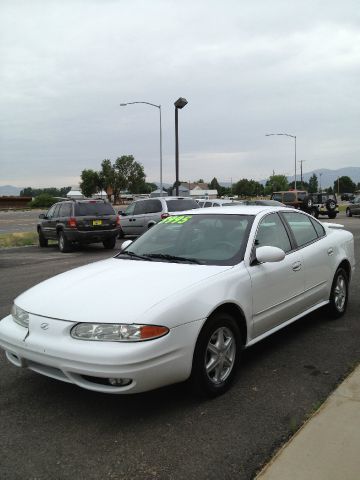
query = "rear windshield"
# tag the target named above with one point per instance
(93, 208)
(180, 204)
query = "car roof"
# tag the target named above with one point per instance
(239, 210)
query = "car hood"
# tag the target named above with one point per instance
(112, 290)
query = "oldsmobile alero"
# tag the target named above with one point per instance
(182, 301)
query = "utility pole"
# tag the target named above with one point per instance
(301, 171)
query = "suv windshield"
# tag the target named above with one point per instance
(206, 239)
(93, 208)
(180, 204)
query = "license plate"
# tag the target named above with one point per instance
(97, 222)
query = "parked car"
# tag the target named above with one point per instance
(144, 214)
(198, 288)
(79, 221)
(217, 202)
(354, 207)
(347, 197)
(293, 198)
(313, 203)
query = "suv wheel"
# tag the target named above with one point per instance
(216, 355)
(43, 242)
(314, 212)
(64, 244)
(348, 212)
(330, 204)
(109, 243)
(332, 214)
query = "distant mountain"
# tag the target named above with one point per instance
(9, 190)
(327, 177)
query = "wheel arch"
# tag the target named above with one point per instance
(345, 264)
(236, 312)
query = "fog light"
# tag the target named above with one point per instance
(119, 382)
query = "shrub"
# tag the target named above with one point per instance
(44, 200)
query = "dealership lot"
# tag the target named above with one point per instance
(64, 432)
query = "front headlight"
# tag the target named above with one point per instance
(113, 332)
(20, 316)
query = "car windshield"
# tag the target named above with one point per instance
(181, 204)
(93, 208)
(208, 239)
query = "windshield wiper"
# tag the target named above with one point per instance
(165, 256)
(135, 255)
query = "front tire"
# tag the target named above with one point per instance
(339, 295)
(314, 212)
(216, 355)
(109, 243)
(332, 215)
(43, 242)
(64, 243)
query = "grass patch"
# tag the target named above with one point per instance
(18, 239)
(342, 208)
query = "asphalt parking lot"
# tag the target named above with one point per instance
(54, 430)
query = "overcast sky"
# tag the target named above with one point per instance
(246, 67)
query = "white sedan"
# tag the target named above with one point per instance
(181, 301)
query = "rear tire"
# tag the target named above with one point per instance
(43, 242)
(216, 356)
(109, 243)
(64, 243)
(339, 295)
(307, 203)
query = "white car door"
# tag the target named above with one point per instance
(316, 249)
(277, 288)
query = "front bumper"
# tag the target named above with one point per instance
(50, 350)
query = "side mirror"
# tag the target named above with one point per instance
(125, 245)
(269, 254)
(122, 213)
(42, 215)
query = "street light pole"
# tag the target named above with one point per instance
(286, 135)
(180, 103)
(161, 160)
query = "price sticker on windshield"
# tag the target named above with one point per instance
(179, 219)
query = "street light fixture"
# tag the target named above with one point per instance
(286, 135)
(159, 107)
(179, 104)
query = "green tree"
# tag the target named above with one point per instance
(313, 184)
(345, 185)
(276, 183)
(44, 200)
(89, 182)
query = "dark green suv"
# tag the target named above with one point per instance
(79, 221)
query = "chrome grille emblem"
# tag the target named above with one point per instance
(44, 326)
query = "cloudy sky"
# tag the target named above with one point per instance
(246, 67)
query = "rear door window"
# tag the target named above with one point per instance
(301, 227)
(289, 197)
(140, 207)
(181, 204)
(85, 209)
(153, 206)
(65, 210)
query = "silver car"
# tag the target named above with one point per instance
(143, 214)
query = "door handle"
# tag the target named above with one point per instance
(296, 266)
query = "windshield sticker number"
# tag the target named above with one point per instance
(179, 219)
